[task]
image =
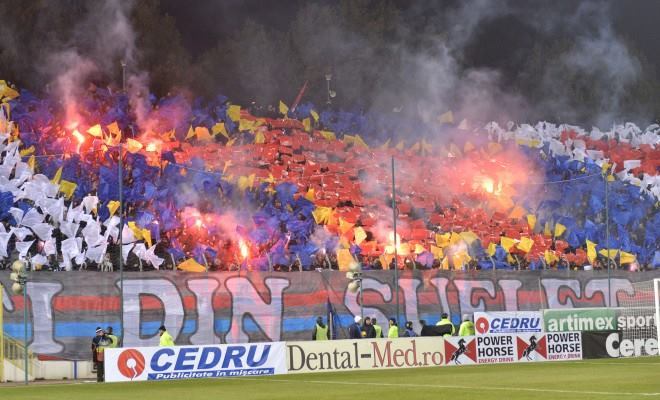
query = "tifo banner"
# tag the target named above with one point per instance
(507, 322)
(521, 347)
(189, 362)
(64, 309)
(364, 354)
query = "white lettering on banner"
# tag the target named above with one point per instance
(186, 362)
(441, 289)
(203, 290)
(552, 288)
(409, 288)
(630, 347)
(165, 291)
(351, 302)
(246, 300)
(364, 354)
(507, 322)
(602, 285)
(510, 290)
(41, 298)
(465, 292)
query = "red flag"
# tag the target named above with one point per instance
(299, 97)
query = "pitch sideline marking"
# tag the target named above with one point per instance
(421, 385)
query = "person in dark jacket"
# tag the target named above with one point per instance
(368, 330)
(409, 330)
(355, 331)
(320, 330)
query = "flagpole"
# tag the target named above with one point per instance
(121, 242)
(607, 240)
(396, 263)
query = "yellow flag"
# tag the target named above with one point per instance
(314, 115)
(27, 152)
(359, 235)
(455, 238)
(525, 244)
(146, 235)
(442, 240)
(469, 237)
(550, 257)
(507, 243)
(626, 258)
(611, 253)
(310, 195)
(531, 221)
(437, 252)
(95, 131)
(234, 113)
(137, 232)
(245, 182)
(359, 142)
(284, 109)
(322, 214)
(419, 248)
(344, 259)
(191, 133)
(114, 130)
(203, 134)
(492, 248)
(546, 229)
(345, 226)
(32, 162)
(133, 146)
(190, 265)
(246, 125)
(57, 177)
(259, 138)
(220, 128)
(559, 229)
(113, 206)
(67, 188)
(327, 135)
(7, 92)
(591, 251)
(307, 124)
(446, 118)
(445, 263)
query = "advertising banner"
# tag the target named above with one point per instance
(594, 343)
(586, 319)
(520, 347)
(364, 354)
(64, 309)
(617, 345)
(486, 323)
(189, 362)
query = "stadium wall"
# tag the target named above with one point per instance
(65, 308)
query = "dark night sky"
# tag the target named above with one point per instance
(201, 23)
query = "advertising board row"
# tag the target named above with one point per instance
(253, 359)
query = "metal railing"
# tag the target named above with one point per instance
(13, 351)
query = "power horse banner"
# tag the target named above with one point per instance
(64, 309)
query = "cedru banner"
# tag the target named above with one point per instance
(364, 354)
(188, 362)
(486, 323)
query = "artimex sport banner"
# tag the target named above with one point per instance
(189, 362)
(507, 322)
(64, 309)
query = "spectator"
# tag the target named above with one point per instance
(467, 326)
(393, 332)
(354, 331)
(320, 330)
(409, 330)
(368, 330)
(445, 322)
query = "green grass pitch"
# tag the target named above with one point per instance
(580, 380)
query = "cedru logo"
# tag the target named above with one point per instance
(130, 363)
(482, 325)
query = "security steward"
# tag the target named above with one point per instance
(446, 323)
(99, 343)
(320, 330)
(467, 326)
